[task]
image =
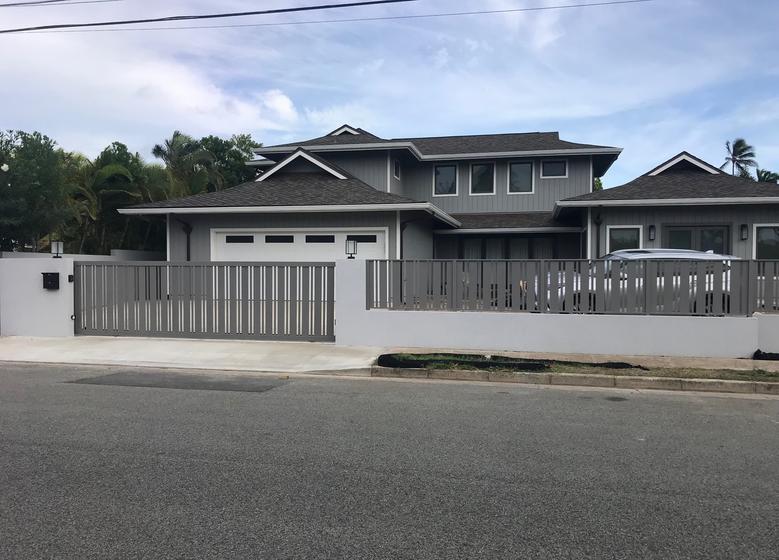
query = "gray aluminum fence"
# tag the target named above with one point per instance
(284, 301)
(656, 287)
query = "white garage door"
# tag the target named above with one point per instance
(302, 245)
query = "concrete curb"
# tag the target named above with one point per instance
(585, 380)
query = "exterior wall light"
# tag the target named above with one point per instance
(57, 248)
(351, 248)
(744, 232)
(651, 233)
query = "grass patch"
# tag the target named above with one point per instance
(505, 363)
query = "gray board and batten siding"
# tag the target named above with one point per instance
(418, 185)
(732, 216)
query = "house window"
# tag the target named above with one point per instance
(623, 237)
(520, 177)
(698, 238)
(362, 238)
(239, 239)
(279, 239)
(445, 180)
(320, 238)
(396, 169)
(554, 168)
(483, 178)
(767, 242)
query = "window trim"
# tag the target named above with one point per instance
(456, 178)
(494, 178)
(396, 163)
(553, 160)
(532, 177)
(630, 226)
(754, 236)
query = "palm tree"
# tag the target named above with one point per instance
(90, 185)
(765, 176)
(188, 164)
(741, 156)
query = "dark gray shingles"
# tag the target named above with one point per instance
(510, 220)
(287, 189)
(684, 185)
(463, 144)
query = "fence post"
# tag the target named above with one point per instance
(751, 291)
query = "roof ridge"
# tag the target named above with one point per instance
(411, 138)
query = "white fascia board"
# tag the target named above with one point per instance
(510, 230)
(684, 157)
(423, 206)
(293, 157)
(344, 129)
(670, 202)
(443, 157)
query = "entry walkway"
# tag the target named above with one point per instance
(242, 355)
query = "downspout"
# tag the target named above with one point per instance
(186, 227)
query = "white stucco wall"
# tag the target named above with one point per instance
(733, 337)
(26, 309)
(768, 335)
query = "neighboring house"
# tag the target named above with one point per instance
(498, 196)
(484, 196)
(683, 203)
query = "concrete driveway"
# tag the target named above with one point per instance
(243, 355)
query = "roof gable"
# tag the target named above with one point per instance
(684, 162)
(310, 158)
(345, 129)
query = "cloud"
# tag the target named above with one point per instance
(639, 76)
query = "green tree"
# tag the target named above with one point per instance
(597, 184)
(765, 176)
(33, 201)
(230, 157)
(188, 164)
(740, 157)
(96, 192)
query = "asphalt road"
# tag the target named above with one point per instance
(151, 464)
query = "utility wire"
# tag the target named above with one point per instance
(203, 16)
(353, 20)
(52, 3)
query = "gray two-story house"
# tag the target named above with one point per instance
(475, 197)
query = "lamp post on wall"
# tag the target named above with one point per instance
(351, 248)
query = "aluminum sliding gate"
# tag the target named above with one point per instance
(262, 301)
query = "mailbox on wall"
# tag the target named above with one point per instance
(51, 280)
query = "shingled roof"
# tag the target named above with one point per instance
(287, 189)
(513, 220)
(461, 144)
(688, 178)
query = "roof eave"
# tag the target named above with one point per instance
(438, 157)
(393, 206)
(668, 201)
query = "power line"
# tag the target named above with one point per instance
(203, 16)
(52, 3)
(354, 20)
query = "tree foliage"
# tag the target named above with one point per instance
(47, 193)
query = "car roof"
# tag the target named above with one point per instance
(660, 253)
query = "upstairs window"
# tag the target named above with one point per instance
(445, 180)
(396, 169)
(554, 168)
(520, 177)
(483, 178)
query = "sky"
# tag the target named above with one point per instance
(653, 78)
